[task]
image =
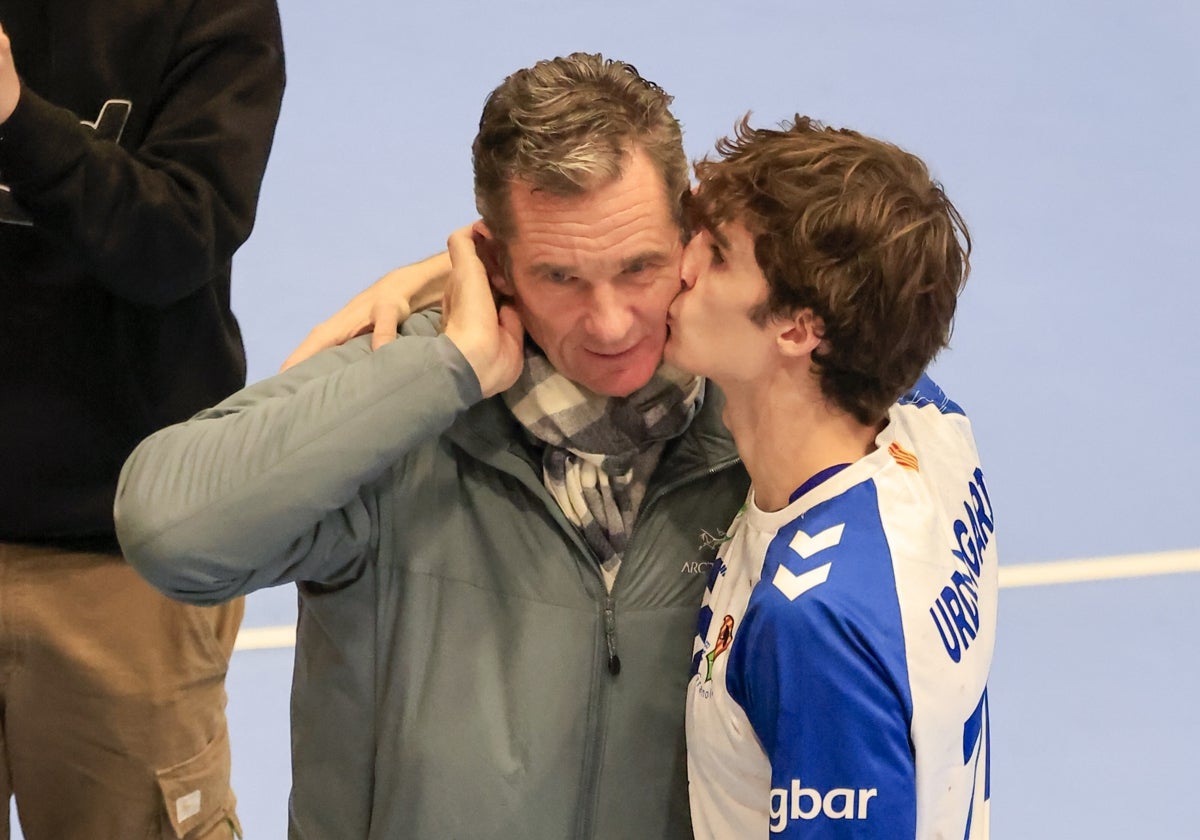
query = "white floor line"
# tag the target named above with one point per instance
(1027, 574)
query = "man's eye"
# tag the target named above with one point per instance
(558, 277)
(636, 268)
(717, 257)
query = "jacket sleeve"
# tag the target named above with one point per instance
(272, 485)
(156, 222)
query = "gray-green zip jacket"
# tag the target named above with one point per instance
(460, 670)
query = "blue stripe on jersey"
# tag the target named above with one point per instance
(823, 677)
(926, 392)
(813, 481)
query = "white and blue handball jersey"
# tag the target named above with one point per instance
(839, 682)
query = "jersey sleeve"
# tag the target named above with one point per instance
(821, 678)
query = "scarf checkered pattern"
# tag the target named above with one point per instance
(600, 451)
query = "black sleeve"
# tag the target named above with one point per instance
(157, 221)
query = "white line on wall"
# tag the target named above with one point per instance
(1104, 568)
(1027, 574)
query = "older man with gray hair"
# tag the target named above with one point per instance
(495, 522)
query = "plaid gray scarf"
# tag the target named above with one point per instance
(600, 451)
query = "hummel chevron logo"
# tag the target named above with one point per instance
(793, 585)
(807, 546)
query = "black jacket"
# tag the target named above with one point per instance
(115, 317)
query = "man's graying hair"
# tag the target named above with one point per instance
(566, 125)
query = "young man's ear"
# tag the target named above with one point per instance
(491, 252)
(800, 333)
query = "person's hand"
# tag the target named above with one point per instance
(10, 83)
(492, 339)
(379, 309)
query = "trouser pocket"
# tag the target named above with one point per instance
(196, 795)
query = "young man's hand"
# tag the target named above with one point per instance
(379, 309)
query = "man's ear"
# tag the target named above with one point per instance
(800, 333)
(492, 253)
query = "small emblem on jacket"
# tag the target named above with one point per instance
(110, 124)
(716, 540)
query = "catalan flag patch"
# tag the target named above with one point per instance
(903, 457)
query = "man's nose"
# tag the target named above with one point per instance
(611, 317)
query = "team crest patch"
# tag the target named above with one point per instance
(724, 640)
(903, 457)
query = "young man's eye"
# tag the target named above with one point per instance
(717, 257)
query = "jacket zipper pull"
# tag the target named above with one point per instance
(610, 636)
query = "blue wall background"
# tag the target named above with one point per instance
(1064, 132)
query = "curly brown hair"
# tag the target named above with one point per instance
(567, 124)
(854, 229)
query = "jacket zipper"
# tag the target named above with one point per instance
(587, 815)
(585, 823)
(610, 604)
(610, 634)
